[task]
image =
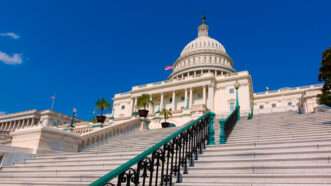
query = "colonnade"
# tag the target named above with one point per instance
(198, 73)
(17, 124)
(204, 94)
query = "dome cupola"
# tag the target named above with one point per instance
(202, 55)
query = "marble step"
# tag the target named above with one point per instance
(186, 183)
(40, 183)
(210, 177)
(276, 169)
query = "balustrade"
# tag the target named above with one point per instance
(166, 161)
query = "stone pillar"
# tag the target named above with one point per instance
(135, 104)
(204, 93)
(210, 102)
(132, 105)
(12, 126)
(24, 123)
(150, 106)
(161, 102)
(191, 98)
(19, 124)
(30, 122)
(173, 101)
(186, 106)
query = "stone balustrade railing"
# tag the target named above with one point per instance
(101, 134)
(82, 130)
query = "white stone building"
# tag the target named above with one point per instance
(31, 118)
(204, 77)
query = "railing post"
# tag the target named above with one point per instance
(211, 130)
(222, 132)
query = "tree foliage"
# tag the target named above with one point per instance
(325, 76)
(102, 104)
(166, 114)
(143, 101)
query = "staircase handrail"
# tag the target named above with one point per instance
(198, 130)
(227, 124)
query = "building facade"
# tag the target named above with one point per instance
(204, 78)
(30, 118)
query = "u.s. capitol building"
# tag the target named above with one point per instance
(204, 78)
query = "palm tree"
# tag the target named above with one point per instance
(166, 114)
(143, 101)
(102, 104)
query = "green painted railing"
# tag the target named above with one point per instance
(227, 124)
(124, 167)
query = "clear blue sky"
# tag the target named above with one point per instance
(83, 50)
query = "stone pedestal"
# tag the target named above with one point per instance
(144, 124)
(46, 140)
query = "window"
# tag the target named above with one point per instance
(123, 107)
(289, 103)
(182, 98)
(261, 107)
(273, 105)
(231, 91)
(170, 100)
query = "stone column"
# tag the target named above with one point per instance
(12, 126)
(19, 124)
(134, 102)
(25, 123)
(191, 98)
(186, 100)
(150, 106)
(173, 101)
(161, 102)
(204, 93)
(210, 102)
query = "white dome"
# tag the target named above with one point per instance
(202, 55)
(203, 43)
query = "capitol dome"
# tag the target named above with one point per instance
(202, 55)
(203, 43)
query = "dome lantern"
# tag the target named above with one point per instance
(203, 28)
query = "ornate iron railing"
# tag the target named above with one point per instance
(165, 162)
(227, 125)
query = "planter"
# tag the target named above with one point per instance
(101, 119)
(165, 124)
(143, 113)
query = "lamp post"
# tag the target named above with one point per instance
(236, 86)
(74, 112)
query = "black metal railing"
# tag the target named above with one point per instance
(165, 162)
(227, 125)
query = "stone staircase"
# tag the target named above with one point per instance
(283, 149)
(84, 167)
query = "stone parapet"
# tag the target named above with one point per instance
(46, 140)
